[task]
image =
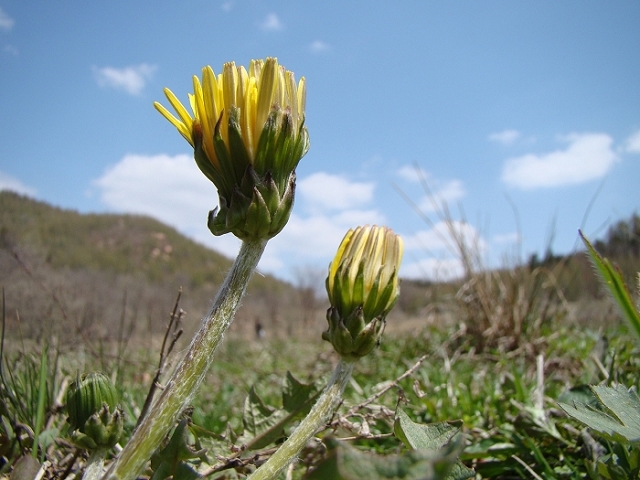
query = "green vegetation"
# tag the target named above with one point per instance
(491, 362)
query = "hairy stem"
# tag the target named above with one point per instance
(182, 386)
(95, 465)
(317, 417)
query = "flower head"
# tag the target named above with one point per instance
(363, 286)
(248, 134)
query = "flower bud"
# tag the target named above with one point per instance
(248, 134)
(363, 286)
(94, 418)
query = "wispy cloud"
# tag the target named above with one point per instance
(505, 137)
(6, 22)
(587, 156)
(271, 23)
(130, 79)
(227, 6)
(318, 46)
(632, 145)
(8, 182)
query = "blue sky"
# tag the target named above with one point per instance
(524, 117)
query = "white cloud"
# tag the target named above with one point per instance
(315, 238)
(505, 137)
(326, 207)
(434, 269)
(8, 182)
(318, 46)
(171, 189)
(442, 261)
(326, 191)
(439, 238)
(6, 22)
(633, 143)
(271, 23)
(227, 6)
(588, 156)
(174, 191)
(130, 79)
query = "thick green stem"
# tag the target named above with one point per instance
(179, 391)
(318, 416)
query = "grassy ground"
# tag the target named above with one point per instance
(506, 399)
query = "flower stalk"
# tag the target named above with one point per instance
(188, 375)
(363, 287)
(317, 417)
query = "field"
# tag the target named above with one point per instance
(490, 363)
(507, 401)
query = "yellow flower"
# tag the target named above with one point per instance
(248, 134)
(363, 286)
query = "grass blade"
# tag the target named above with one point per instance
(615, 284)
(42, 397)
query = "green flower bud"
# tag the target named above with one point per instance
(363, 286)
(248, 135)
(95, 419)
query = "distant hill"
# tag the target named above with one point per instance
(45, 249)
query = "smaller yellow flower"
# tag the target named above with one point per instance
(363, 286)
(248, 134)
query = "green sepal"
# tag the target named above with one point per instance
(264, 158)
(352, 338)
(256, 209)
(368, 338)
(281, 215)
(103, 429)
(237, 149)
(204, 164)
(385, 304)
(355, 322)
(258, 218)
(228, 179)
(83, 440)
(270, 192)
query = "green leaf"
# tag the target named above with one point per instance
(617, 420)
(579, 394)
(265, 424)
(297, 397)
(432, 436)
(261, 422)
(171, 460)
(345, 462)
(615, 284)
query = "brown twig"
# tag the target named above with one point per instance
(352, 411)
(174, 325)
